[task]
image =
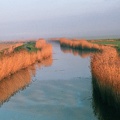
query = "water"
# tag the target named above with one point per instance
(62, 91)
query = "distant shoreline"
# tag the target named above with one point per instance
(56, 38)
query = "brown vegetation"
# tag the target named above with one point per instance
(9, 47)
(40, 43)
(12, 62)
(106, 76)
(79, 44)
(101, 110)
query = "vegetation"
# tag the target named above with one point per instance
(106, 76)
(15, 60)
(101, 110)
(108, 42)
(29, 46)
(80, 44)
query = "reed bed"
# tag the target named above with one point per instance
(101, 110)
(9, 45)
(20, 80)
(40, 43)
(81, 44)
(11, 63)
(106, 76)
(8, 48)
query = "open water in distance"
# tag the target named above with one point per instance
(62, 91)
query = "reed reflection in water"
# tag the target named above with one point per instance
(106, 84)
(20, 80)
(76, 52)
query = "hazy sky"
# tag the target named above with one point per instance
(59, 18)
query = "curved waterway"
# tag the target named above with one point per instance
(57, 90)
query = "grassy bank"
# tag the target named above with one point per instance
(108, 42)
(80, 44)
(22, 56)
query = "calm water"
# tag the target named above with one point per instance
(62, 91)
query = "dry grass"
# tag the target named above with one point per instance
(40, 43)
(79, 44)
(8, 48)
(15, 61)
(106, 76)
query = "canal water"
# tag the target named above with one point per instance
(61, 90)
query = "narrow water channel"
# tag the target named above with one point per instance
(58, 90)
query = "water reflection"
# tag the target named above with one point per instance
(19, 81)
(106, 84)
(10, 85)
(76, 52)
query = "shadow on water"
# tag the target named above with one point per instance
(106, 84)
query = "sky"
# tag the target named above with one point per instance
(21, 19)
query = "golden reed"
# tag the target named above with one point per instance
(40, 43)
(106, 76)
(8, 48)
(79, 44)
(19, 80)
(16, 60)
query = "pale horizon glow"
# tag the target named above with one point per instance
(59, 18)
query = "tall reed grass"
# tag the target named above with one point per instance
(101, 110)
(8, 48)
(106, 76)
(81, 44)
(12, 62)
(40, 43)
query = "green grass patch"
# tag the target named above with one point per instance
(29, 46)
(19, 48)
